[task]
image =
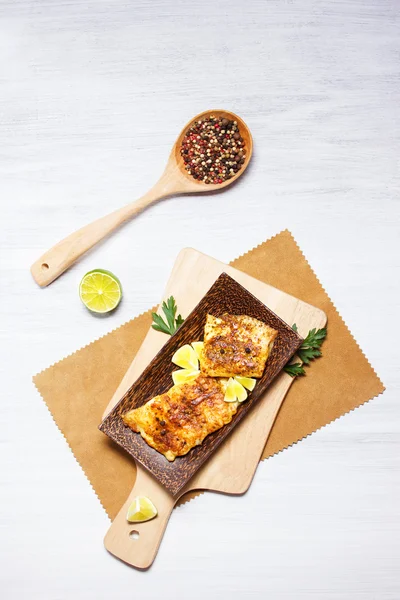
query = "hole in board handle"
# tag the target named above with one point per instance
(45, 267)
(134, 535)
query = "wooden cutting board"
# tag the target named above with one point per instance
(232, 467)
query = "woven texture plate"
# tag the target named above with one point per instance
(225, 296)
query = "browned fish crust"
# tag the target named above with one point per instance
(180, 419)
(236, 345)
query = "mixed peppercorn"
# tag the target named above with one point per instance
(213, 149)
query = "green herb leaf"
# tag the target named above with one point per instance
(308, 354)
(294, 369)
(169, 309)
(171, 324)
(179, 320)
(314, 338)
(159, 324)
(309, 350)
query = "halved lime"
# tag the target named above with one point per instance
(100, 291)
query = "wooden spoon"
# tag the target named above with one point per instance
(174, 180)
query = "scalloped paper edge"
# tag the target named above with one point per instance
(194, 494)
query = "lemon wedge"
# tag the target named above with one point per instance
(198, 348)
(248, 382)
(230, 392)
(141, 509)
(240, 392)
(235, 392)
(184, 375)
(186, 358)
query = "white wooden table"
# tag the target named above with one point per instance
(92, 95)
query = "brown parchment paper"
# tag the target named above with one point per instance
(77, 389)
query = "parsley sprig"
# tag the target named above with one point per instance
(171, 322)
(294, 370)
(309, 350)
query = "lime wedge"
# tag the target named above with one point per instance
(100, 291)
(141, 509)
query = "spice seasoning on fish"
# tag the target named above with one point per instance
(213, 149)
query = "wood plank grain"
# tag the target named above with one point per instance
(92, 95)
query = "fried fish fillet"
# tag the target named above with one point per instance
(236, 345)
(180, 419)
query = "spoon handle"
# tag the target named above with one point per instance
(61, 256)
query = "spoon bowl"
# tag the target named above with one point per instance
(244, 132)
(174, 180)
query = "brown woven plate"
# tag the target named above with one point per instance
(225, 296)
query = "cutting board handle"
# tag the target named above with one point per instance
(137, 543)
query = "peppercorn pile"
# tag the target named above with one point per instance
(213, 149)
